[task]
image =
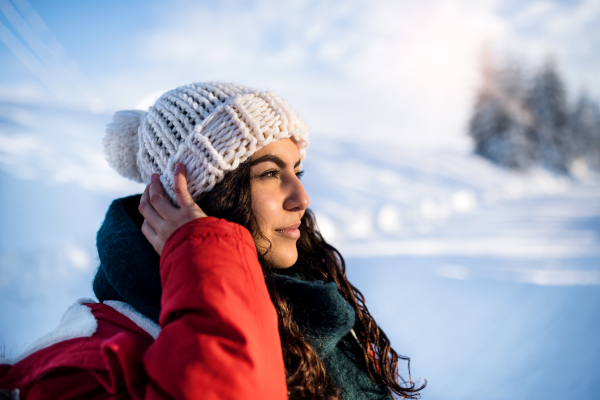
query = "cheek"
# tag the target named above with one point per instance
(269, 213)
(266, 210)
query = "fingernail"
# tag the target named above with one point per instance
(178, 166)
(153, 177)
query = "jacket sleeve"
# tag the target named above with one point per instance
(219, 337)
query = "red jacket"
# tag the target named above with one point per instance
(218, 335)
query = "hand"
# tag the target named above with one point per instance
(162, 218)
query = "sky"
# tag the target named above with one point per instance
(397, 72)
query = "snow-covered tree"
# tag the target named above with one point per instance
(552, 138)
(520, 121)
(585, 126)
(501, 125)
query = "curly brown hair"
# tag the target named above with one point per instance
(317, 260)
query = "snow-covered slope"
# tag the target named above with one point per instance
(468, 267)
(374, 200)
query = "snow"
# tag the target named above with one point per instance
(484, 337)
(396, 202)
(486, 278)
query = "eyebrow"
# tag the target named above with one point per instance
(274, 159)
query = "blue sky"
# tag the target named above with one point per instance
(404, 72)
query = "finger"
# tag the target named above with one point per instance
(180, 187)
(144, 201)
(149, 232)
(158, 200)
(152, 237)
(144, 195)
(147, 209)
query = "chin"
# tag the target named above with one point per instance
(283, 259)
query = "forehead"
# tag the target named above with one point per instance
(285, 149)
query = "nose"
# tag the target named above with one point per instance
(297, 199)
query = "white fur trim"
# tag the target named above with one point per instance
(12, 394)
(78, 321)
(135, 316)
(85, 300)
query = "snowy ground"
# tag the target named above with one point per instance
(488, 280)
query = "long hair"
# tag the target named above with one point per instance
(305, 373)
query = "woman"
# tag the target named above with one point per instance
(251, 301)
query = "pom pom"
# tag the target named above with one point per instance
(121, 143)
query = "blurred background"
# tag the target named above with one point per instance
(454, 158)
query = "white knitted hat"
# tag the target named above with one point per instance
(209, 127)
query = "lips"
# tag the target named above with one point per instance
(291, 231)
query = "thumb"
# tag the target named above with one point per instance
(180, 187)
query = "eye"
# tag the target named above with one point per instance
(272, 173)
(299, 174)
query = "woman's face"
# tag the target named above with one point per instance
(278, 200)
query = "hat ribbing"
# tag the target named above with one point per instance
(209, 127)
